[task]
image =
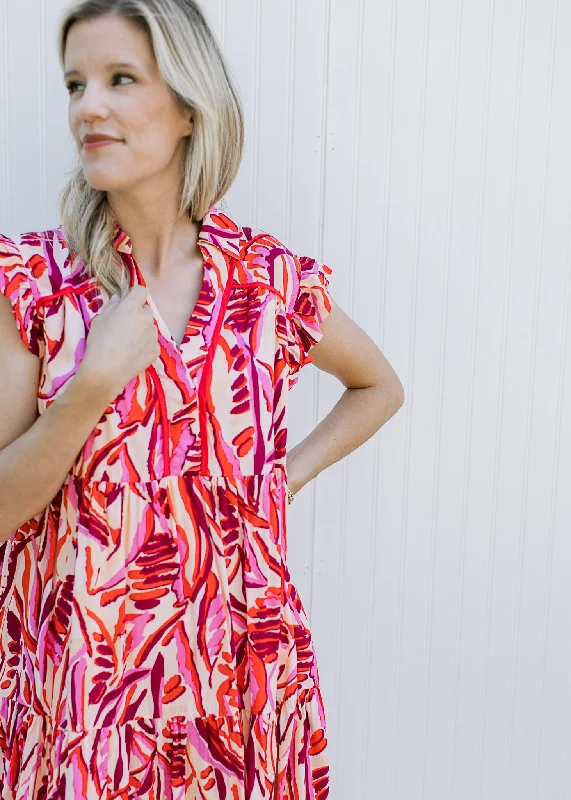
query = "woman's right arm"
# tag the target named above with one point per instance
(37, 453)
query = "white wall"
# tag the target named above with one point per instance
(421, 149)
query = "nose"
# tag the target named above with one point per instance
(92, 103)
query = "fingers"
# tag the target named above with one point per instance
(138, 295)
(114, 301)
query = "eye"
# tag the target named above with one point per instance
(122, 75)
(71, 84)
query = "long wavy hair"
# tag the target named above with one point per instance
(194, 67)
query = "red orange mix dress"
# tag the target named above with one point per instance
(152, 644)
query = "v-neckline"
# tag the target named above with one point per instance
(137, 276)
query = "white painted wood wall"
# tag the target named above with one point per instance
(422, 149)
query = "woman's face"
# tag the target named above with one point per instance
(130, 103)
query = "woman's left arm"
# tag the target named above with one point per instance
(372, 396)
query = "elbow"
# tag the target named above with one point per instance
(391, 398)
(397, 395)
(397, 402)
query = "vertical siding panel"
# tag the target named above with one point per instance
(289, 122)
(357, 487)
(434, 313)
(304, 195)
(42, 134)
(550, 778)
(367, 307)
(274, 117)
(540, 445)
(555, 650)
(297, 203)
(4, 117)
(331, 602)
(256, 113)
(479, 532)
(560, 641)
(242, 47)
(416, 553)
(366, 664)
(22, 103)
(389, 446)
(511, 486)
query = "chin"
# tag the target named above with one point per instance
(103, 180)
(99, 182)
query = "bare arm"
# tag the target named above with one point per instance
(36, 453)
(373, 395)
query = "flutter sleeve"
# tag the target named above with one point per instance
(308, 304)
(18, 285)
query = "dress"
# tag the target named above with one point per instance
(152, 644)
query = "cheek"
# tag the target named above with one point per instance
(158, 126)
(73, 122)
(155, 142)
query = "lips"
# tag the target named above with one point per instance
(98, 137)
(97, 142)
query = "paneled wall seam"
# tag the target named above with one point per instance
(411, 371)
(471, 384)
(386, 220)
(440, 395)
(291, 120)
(320, 255)
(537, 295)
(4, 100)
(288, 212)
(375, 479)
(256, 115)
(346, 522)
(503, 348)
(42, 106)
(420, 183)
(463, 533)
(379, 336)
(559, 416)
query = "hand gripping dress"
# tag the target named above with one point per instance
(152, 644)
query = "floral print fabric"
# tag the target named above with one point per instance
(152, 644)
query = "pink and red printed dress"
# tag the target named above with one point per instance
(152, 644)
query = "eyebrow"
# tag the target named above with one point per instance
(114, 65)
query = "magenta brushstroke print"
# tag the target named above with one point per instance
(152, 644)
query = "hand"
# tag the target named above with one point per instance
(122, 343)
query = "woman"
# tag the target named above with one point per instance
(152, 644)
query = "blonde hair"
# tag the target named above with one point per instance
(194, 67)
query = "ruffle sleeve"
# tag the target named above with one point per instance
(18, 285)
(309, 303)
